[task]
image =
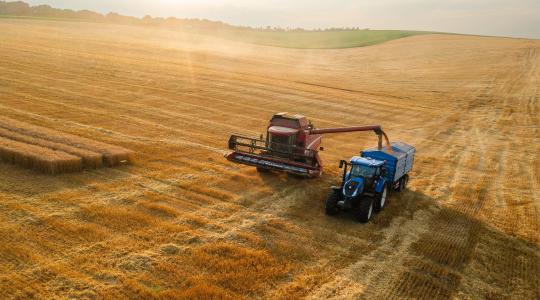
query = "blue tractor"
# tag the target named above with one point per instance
(369, 178)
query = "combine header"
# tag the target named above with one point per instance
(291, 145)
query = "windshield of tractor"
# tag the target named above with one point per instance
(363, 171)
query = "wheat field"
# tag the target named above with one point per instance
(182, 222)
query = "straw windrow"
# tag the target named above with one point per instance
(111, 155)
(89, 158)
(38, 158)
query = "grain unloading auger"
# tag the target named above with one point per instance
(291, 145)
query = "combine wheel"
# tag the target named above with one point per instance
(315, 174)
(262, 170)
(364, 211)
(331, 203)
(381, 199)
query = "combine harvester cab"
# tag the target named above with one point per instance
(368, 178)
(291, 145)
(288, 147)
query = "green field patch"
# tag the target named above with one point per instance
(331, 39)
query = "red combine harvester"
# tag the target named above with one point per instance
(291, 145)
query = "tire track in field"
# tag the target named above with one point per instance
(215, 111)
(240, 93)
(125, 137)
(203, 137)
(454, 251)
(238, 80)
(448, 243)
(103, 101)
(377, 281)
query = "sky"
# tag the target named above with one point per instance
(514, 18)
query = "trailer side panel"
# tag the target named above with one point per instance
(398, 162)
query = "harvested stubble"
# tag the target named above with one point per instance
(112, 155)
(89, 158)
(38, 158)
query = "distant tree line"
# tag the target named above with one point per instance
(22, 9)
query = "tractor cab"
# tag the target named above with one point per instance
(365, 167)
(362, 176)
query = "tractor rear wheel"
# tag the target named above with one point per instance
(332, 203)
(364, 210)
(381, 199)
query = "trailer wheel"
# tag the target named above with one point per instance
(401, 184)
(396, 186)
(405, 181)
(331, 203)
(364, 210)
(381, 200)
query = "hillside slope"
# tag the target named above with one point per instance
(297, 38)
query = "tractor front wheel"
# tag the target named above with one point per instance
(364, 211)
(381, 199)
(332, 203)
